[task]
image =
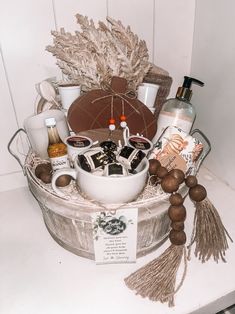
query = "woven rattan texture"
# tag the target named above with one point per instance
(160, 77)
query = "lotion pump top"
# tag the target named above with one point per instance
(184, 92)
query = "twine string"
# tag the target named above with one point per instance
(193, 235)
(183, 275)
(100, 205)
(130, 94)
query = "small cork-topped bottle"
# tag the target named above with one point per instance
(57, 149)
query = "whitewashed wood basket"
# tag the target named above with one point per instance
(70, 223)
(69, 220)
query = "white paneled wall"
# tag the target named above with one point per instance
(138, 14)
(25, 26)
(174, 25)
(10, 172)
(25, 31)
(65, 11)
(213, 61)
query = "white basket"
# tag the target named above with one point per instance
(69, 219)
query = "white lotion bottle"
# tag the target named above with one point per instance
(178, 111)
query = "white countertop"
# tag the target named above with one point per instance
(37, 276)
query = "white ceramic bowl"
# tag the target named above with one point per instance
(108, 190)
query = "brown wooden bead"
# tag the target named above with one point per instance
(46, 167)
(154, 164)
(46, 177)
(169, 184)
(63, 180)
(176, 199)
(177, 237)
(191, 181)
(177, 225)
(177, 213)
(161, 172)
(178, 174)
(197, 193)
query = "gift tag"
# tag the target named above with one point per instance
(115, 236)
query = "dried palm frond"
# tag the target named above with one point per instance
(95, 54)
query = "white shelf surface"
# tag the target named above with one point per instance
(38, 276)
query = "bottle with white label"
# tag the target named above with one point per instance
(178, 111)
(57, 149)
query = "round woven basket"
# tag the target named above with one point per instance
(69, 219)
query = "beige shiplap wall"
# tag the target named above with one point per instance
(166, 25)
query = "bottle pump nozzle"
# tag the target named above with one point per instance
(184, 92)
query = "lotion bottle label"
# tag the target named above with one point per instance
(171, 119)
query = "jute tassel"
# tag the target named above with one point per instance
(157, 279)
(209, 233)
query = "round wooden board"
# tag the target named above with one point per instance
(93, 111)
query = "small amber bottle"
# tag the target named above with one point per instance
(57, 149)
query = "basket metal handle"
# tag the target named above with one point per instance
(193, 133)
(12, 152)
(206, 148)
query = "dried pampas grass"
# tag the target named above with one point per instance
(95, 54)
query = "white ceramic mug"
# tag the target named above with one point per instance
(68, 93)
(37, 131)
(147, 93)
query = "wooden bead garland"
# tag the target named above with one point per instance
(177, 212)
(205, 212)
(177, 237)
(161, 172)
(159, 285)
(169, 184)
(177, 225)
(176, 199)
(178, 174)
(157, 279)
(154, 164)
(191, 181)
(197, 193)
